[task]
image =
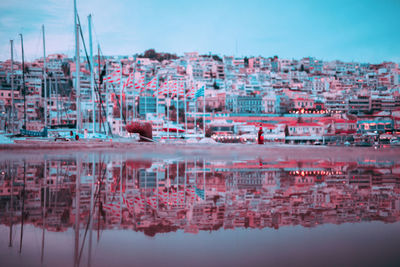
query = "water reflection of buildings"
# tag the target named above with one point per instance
(165, 196)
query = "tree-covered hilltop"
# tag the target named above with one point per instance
(152, 54)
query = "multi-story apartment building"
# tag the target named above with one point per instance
(244, 104)
(361, 104)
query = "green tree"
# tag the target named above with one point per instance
(215, 85)
(246, 62)
(150, 53)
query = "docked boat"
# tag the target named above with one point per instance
(42, 133)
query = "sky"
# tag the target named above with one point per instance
(361, 31)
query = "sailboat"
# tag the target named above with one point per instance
(43, 133)
(24, 131)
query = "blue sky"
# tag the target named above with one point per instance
(365, 31)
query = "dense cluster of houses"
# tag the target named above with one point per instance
(306, 100)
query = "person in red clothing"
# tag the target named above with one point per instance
(260, 136)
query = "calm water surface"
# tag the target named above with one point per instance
(180, 209)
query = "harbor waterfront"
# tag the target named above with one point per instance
(103, 207)
(199, 133)
(162, 97)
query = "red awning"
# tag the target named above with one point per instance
(173, 130)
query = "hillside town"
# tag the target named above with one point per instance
(289, 100)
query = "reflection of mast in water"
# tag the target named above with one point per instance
(77, 210)
(169, 185)
(102, 174)
(135, 181)
(157, 185)
(23, 208)
(120, 184)
(99, 196)
(89, 223)
(145, 189)
(185, 177)
(57, 189)
(11, 204)
(177, 182)
(94, 198)
(185, 182)
(204, 177)
(91, 211)
(195, 171)
(44, 203)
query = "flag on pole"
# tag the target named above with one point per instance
(181, 88)
(102, 74)
(199, 192)
(127, 203)
(199, 93)
(129, 82)
(162, 90)
(113, 77)
(152, 202)
(139, 203)
(152, 85)
(112, 209)
(174, 89)
(191, 91)
(139, 83)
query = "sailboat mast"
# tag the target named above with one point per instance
(50, 97)
(195, 113)
(168, 103)
(204, 112)
(120, 100)
(92, 73)
(177, 108)
(44, 78)
(23, 78)
(184, 95)
(100, 102)
(157, 95)
(57, 98)
(12, 84)
(107, 96)
(77, 67)
(134, 115)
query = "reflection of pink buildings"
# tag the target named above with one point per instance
(256, 194)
